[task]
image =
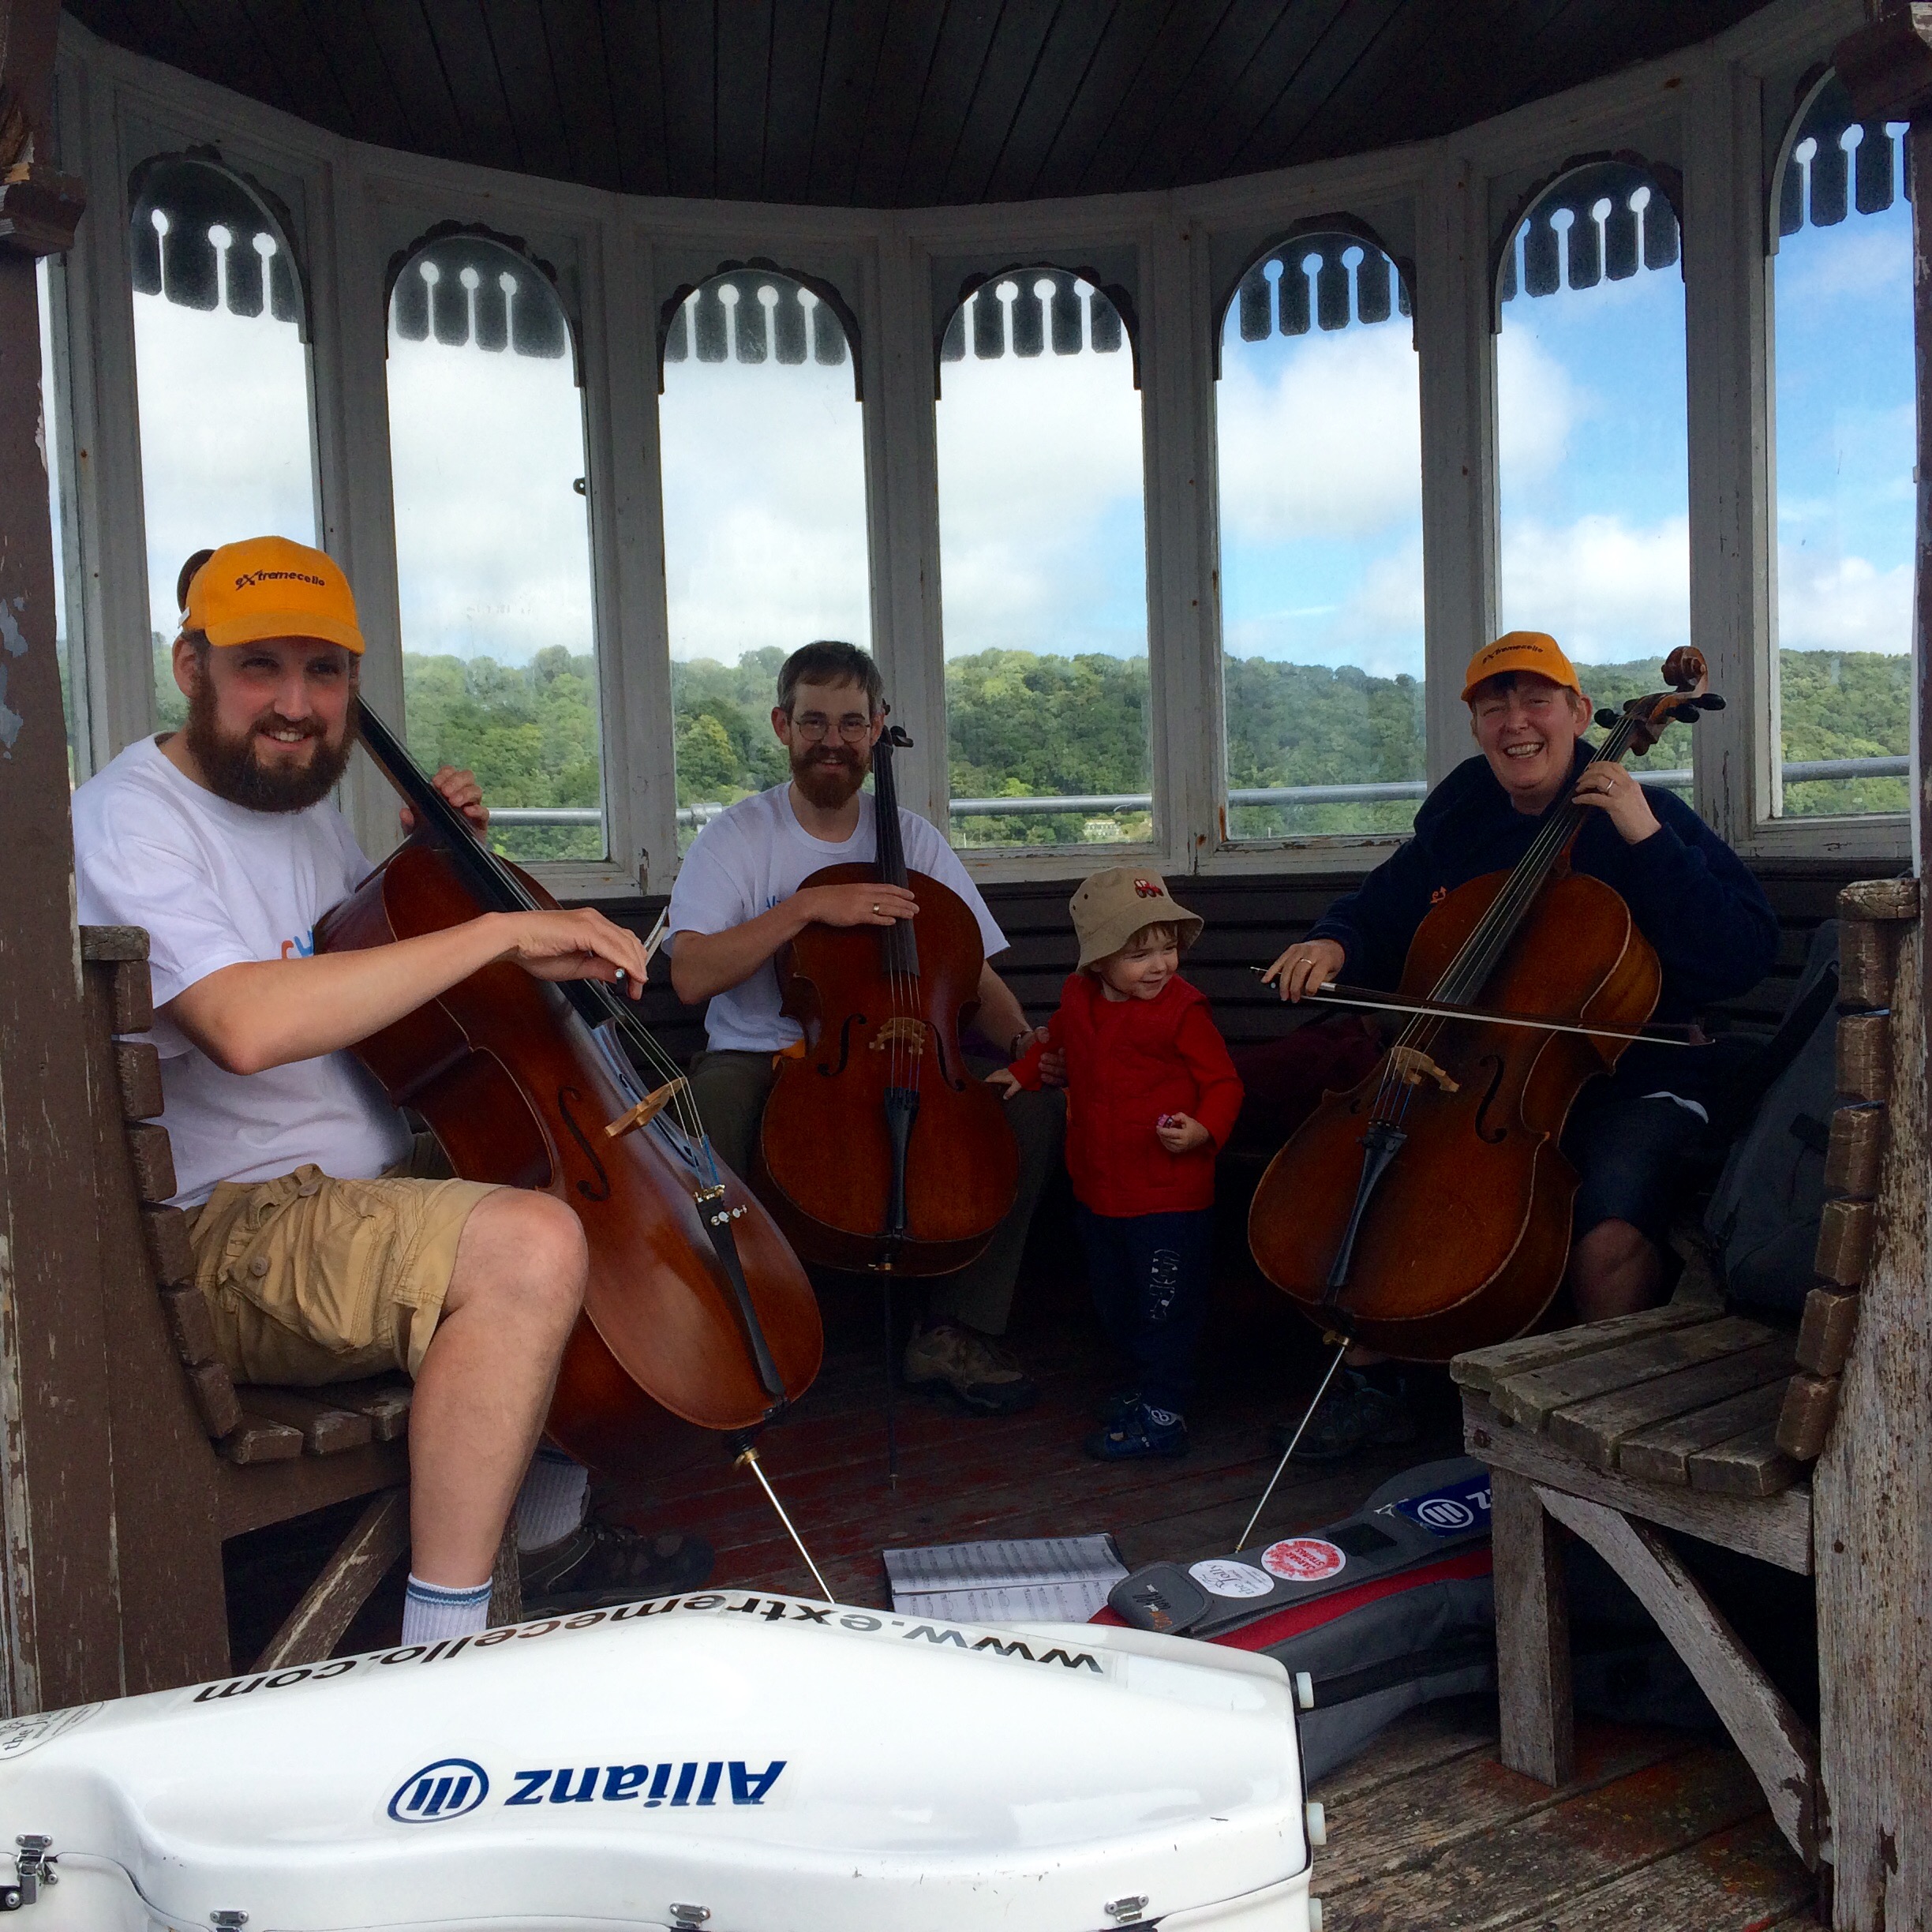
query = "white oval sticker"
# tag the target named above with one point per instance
(1303, 1559)
(1221, 1576)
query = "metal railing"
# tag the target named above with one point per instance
(1808, 771)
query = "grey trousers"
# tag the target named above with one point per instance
(730, 1089)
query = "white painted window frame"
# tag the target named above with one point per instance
(352, 205)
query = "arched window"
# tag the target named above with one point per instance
(1317, 418)
(221, 366)
(1842, 321)
(1043, 565)
(1590, 432)
(486, 439)
(762, 451)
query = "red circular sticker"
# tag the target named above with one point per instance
(1303, 1559)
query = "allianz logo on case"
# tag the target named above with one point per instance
(454, 1787)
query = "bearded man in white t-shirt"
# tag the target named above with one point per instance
(328, 1244)
(737, 901)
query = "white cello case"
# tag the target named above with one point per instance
(726, 1761)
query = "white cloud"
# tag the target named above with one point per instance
(1607, 590)
(764, 491)
(1538, 401)
(1041, 540)
(1323, 441)
(492, 551)
(1852, 263)
(1842, 604)
(225, 439)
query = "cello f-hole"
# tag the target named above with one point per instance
(851, 1020)
(1494, 1063)
(602, 1191)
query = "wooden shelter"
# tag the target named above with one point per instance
(622, 169)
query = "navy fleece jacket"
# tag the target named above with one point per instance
(1691, 896)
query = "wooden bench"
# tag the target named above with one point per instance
(1686, 1418)
(197, 1459)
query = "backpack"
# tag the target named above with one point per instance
(1765, 1212)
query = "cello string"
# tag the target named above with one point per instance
(1461, 980)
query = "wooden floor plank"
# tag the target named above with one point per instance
(1743, 1880)
(1411, 1823)
(1437, 1734)
(1530, 1866)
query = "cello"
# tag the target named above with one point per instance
(695, 1308)
(1427, 1211)
(926, 1166)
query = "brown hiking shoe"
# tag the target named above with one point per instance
(950, 1355)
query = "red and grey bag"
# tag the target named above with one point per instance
(1393, 1607)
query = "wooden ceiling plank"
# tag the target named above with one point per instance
(892, 109)
(1007, 77)
(1164, 71)
(521, 52)
(235, 50)
(801, 30)
(580, 74)
(744, 64)
(854, 42)
(966, 43)
(308, 75)
(1343, 63)
(402, 37)
(1236, 85)
(687, 59)
(462, 44)
(1071, 46)
(1417, 81)
(1125, 44)
(376, 106)
(634, 77)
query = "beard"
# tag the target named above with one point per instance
(828, 774)
(234, 771)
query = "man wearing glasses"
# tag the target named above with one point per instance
(737, 902)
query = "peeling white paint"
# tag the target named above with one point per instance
(20, 1679)
(13, 643)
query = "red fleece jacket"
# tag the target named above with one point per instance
(1129, 1062)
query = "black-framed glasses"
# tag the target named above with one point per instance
(813, 728)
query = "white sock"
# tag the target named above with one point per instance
(433, 1611)
(551, 1503)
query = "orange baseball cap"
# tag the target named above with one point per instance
(1521, 650)
(268, 587)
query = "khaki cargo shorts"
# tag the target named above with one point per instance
(312, 1280)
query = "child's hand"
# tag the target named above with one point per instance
(1181, 1133)
(1003, 1080)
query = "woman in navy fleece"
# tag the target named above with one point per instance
(1691, 896)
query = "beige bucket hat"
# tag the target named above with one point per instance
(1112, 906)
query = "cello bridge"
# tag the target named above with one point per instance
(900, 1032)
(1412, 1067)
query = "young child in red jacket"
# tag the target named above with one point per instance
(1152, 1096)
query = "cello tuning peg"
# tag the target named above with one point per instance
(1605, 717)
(1710, 701)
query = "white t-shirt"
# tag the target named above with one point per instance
(756, 853)
(217, 885)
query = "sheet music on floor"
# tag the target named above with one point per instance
(1057, 1579)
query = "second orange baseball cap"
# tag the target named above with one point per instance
(1521, 650)
(270, 587)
